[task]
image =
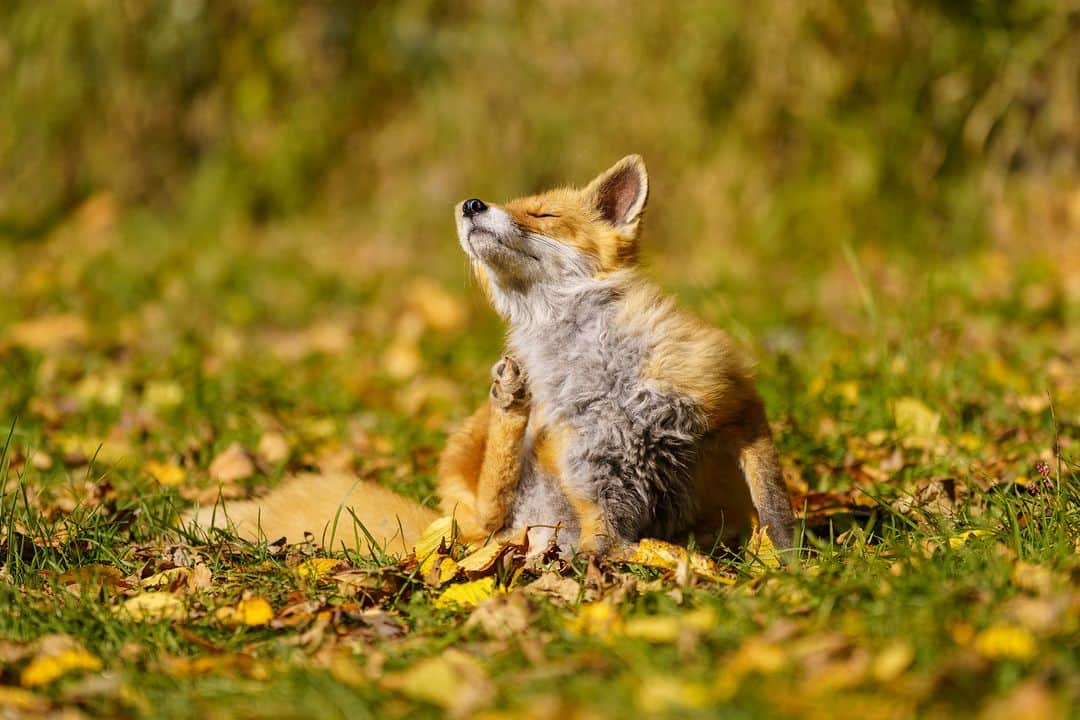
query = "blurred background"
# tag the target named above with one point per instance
(215, 213)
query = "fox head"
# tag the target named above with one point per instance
(557, 239)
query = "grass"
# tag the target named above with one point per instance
(183, 346)
(226, 225)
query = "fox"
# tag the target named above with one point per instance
(613, 414)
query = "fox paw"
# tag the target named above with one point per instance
(509, 389)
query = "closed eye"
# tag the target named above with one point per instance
(542, 215)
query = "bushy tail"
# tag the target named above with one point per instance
(335, 509)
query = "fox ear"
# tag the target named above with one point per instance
(619, 194)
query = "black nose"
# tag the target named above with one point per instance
(473, 206)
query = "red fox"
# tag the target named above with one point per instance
(613, 416)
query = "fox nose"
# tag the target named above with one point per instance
(473, 206)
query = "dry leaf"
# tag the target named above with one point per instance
(916, 423)
(503, 616)
(668, 628)
(273, 448)
(453, 681)
(19, 700)
(668, 556)
(50, 332)
(595, 618)
(439, 309)
(168, 474)
(440, 533)
(249, 612)
(761, 551)
(44, 669)
(892, 661)
(1005, 642)
(659, 694)
(960, 539)
(467, 594)
(231, 465)
(555, 587)
(152, 607)
(316, 568)
(165, 579)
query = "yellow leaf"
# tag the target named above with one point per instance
(167, 474)
(250, 612)
(316, 568)
(163, 394)
(1007, 642)
(668, 556)
(658, 693)
(152, 607)
(440, 532)
(596, 618)
(847, 391)
(914, 419)
(165, 579)
(668, 628)
(14, 698)
(446, 569)
(960, 539)
(761, 550)
(44, 669)
(453, 681)
(466, 594)
(893, 660)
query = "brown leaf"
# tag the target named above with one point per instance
(231, 465)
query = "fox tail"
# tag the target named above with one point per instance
(337, 509)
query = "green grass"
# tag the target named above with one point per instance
(226, 223)
(193, 344)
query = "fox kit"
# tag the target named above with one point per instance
(613, 415)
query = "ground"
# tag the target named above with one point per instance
(926, 412)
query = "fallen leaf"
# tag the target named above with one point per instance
(452, 680)
(165, 579)
(502, 616)
(13, 698)
(44, 669)
(555, 587)
(668, 628)
(153, 607)
(466, 594)
(273, 448)
(163, 394)
(49, 332)
(439, 309)
(250, 612)
(316, 568)
(232, 464)
(595, 618)
(761, 551)
(1005, 642)
(915, 422)
(668, 556)
(960, 539)
(657, 694)
(440, 533)
(892, 661)
(168, 474)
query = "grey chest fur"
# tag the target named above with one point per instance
(632, 447)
